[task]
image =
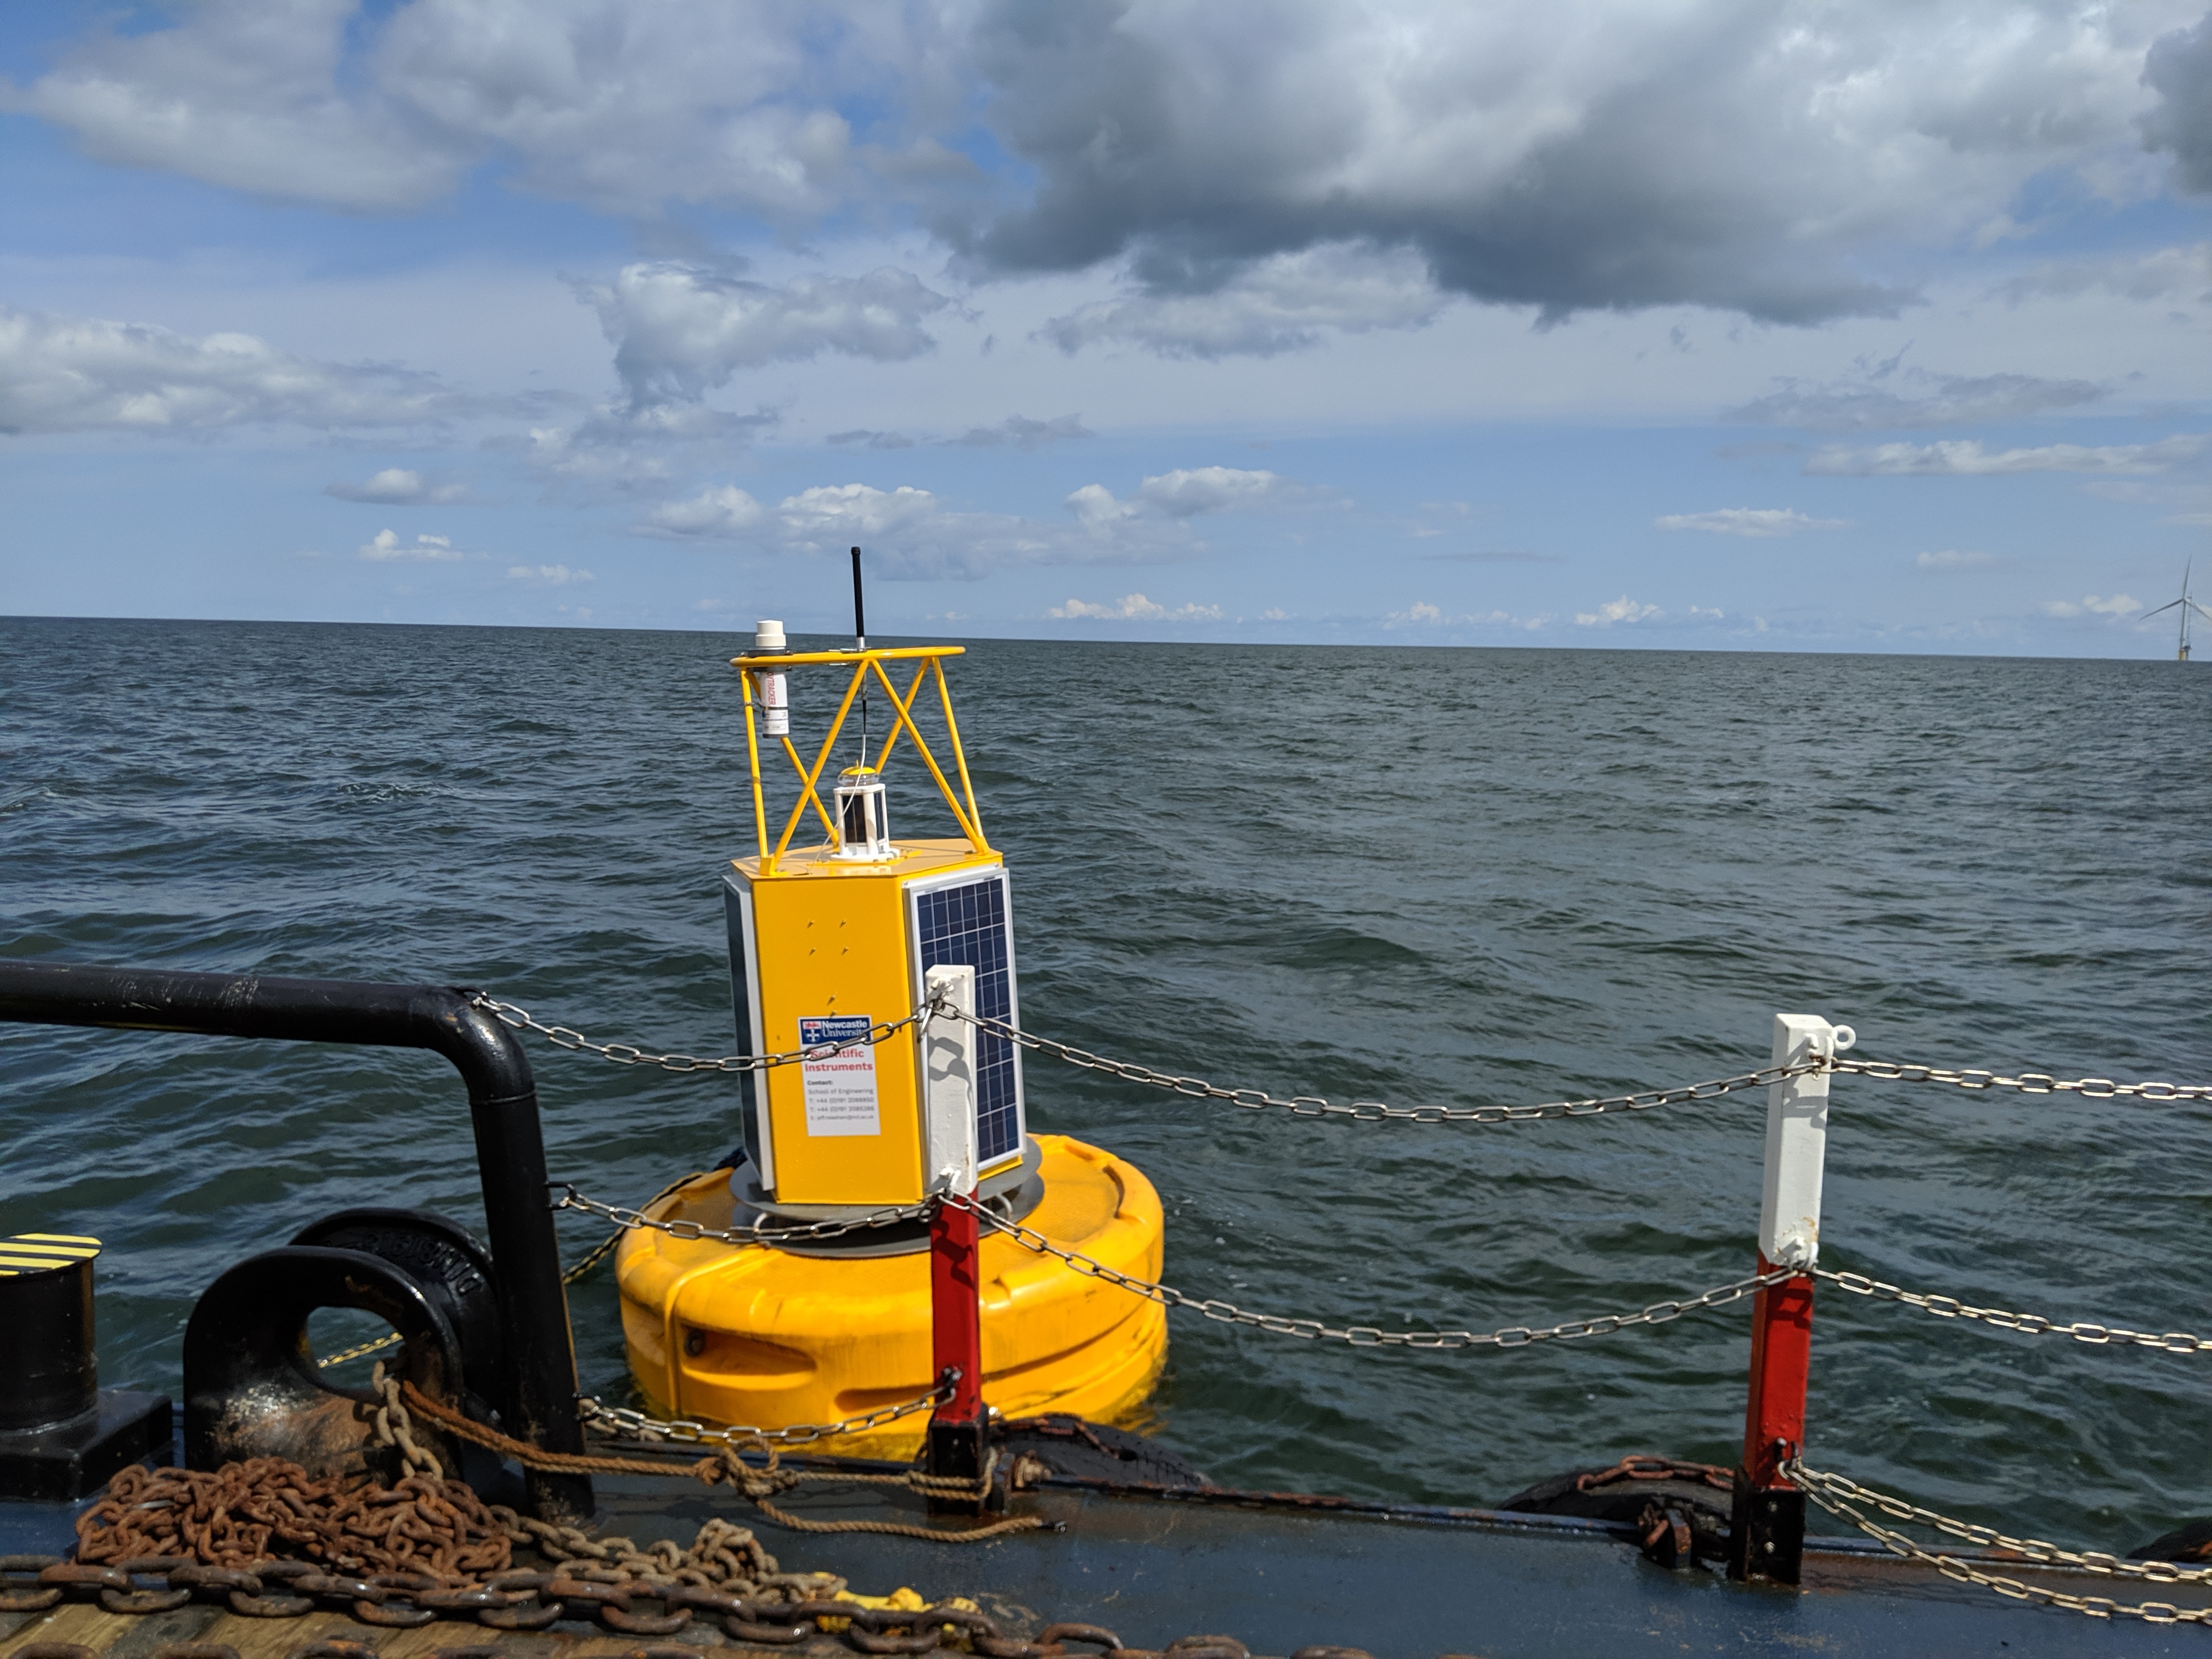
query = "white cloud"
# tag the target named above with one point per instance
(1883, 396)
(1622, 610)
(1096, 508)
(679, 331)
(1188, 491)
(551, 575)
(636, 447)
(1281, 303)
(80, 374)
(839, 513)
(1969, 457)
(2169, 274)
(911, 534)
(625, 104)
(723, 513)
(1953, 558)
(386, 546)
(248, 96)
(399, 486)
(1748, 521)
(1423, 614)
(2117, 606)
(1185, 493)
(1134, 607)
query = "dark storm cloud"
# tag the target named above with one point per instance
(2179, 68)
(1258, 175)
(1687, 176)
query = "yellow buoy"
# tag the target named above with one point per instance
(757, 1335)
(834, 948)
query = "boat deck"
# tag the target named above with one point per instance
(1279, 1573)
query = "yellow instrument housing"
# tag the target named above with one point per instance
(756, 1335)
(827, 938)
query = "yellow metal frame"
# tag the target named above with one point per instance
(928, 661)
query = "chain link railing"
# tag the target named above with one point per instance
(1364, 1336)
(2033, 1083)
(1374, 1111)
(1841, 1497)
(1946, 1307)
(1358, 1336)
(760, 1232)
(2027, 1082)
(624, 1053)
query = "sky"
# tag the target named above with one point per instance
(1877, 324)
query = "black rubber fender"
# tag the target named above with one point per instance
(448, 1262)
(252, 1388)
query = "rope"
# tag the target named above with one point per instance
(726, 1467)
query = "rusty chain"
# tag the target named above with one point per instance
(1946, 1307)
(1840, 1496)
(1364, 1336)
(725, 1576)
(270, 1541)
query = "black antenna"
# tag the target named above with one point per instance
(860, 643)
(860, 616)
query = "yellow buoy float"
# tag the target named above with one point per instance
(831, 944)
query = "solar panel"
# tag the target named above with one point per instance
(965, 926)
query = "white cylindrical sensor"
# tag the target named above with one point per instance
(775, 704)
(767, 637)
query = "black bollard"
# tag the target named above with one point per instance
(60, 1435)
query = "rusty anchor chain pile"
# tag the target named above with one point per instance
(768, 1609)
(263, 1540)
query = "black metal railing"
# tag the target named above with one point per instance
(540, 1402)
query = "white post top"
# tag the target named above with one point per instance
(948, 1055)
(1797, 1141)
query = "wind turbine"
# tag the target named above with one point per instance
(2185, 605)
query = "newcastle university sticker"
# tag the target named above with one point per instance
(841, 1089)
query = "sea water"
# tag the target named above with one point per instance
(1415, 876)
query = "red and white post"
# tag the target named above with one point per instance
(1766, 1539)
(958, 1441)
